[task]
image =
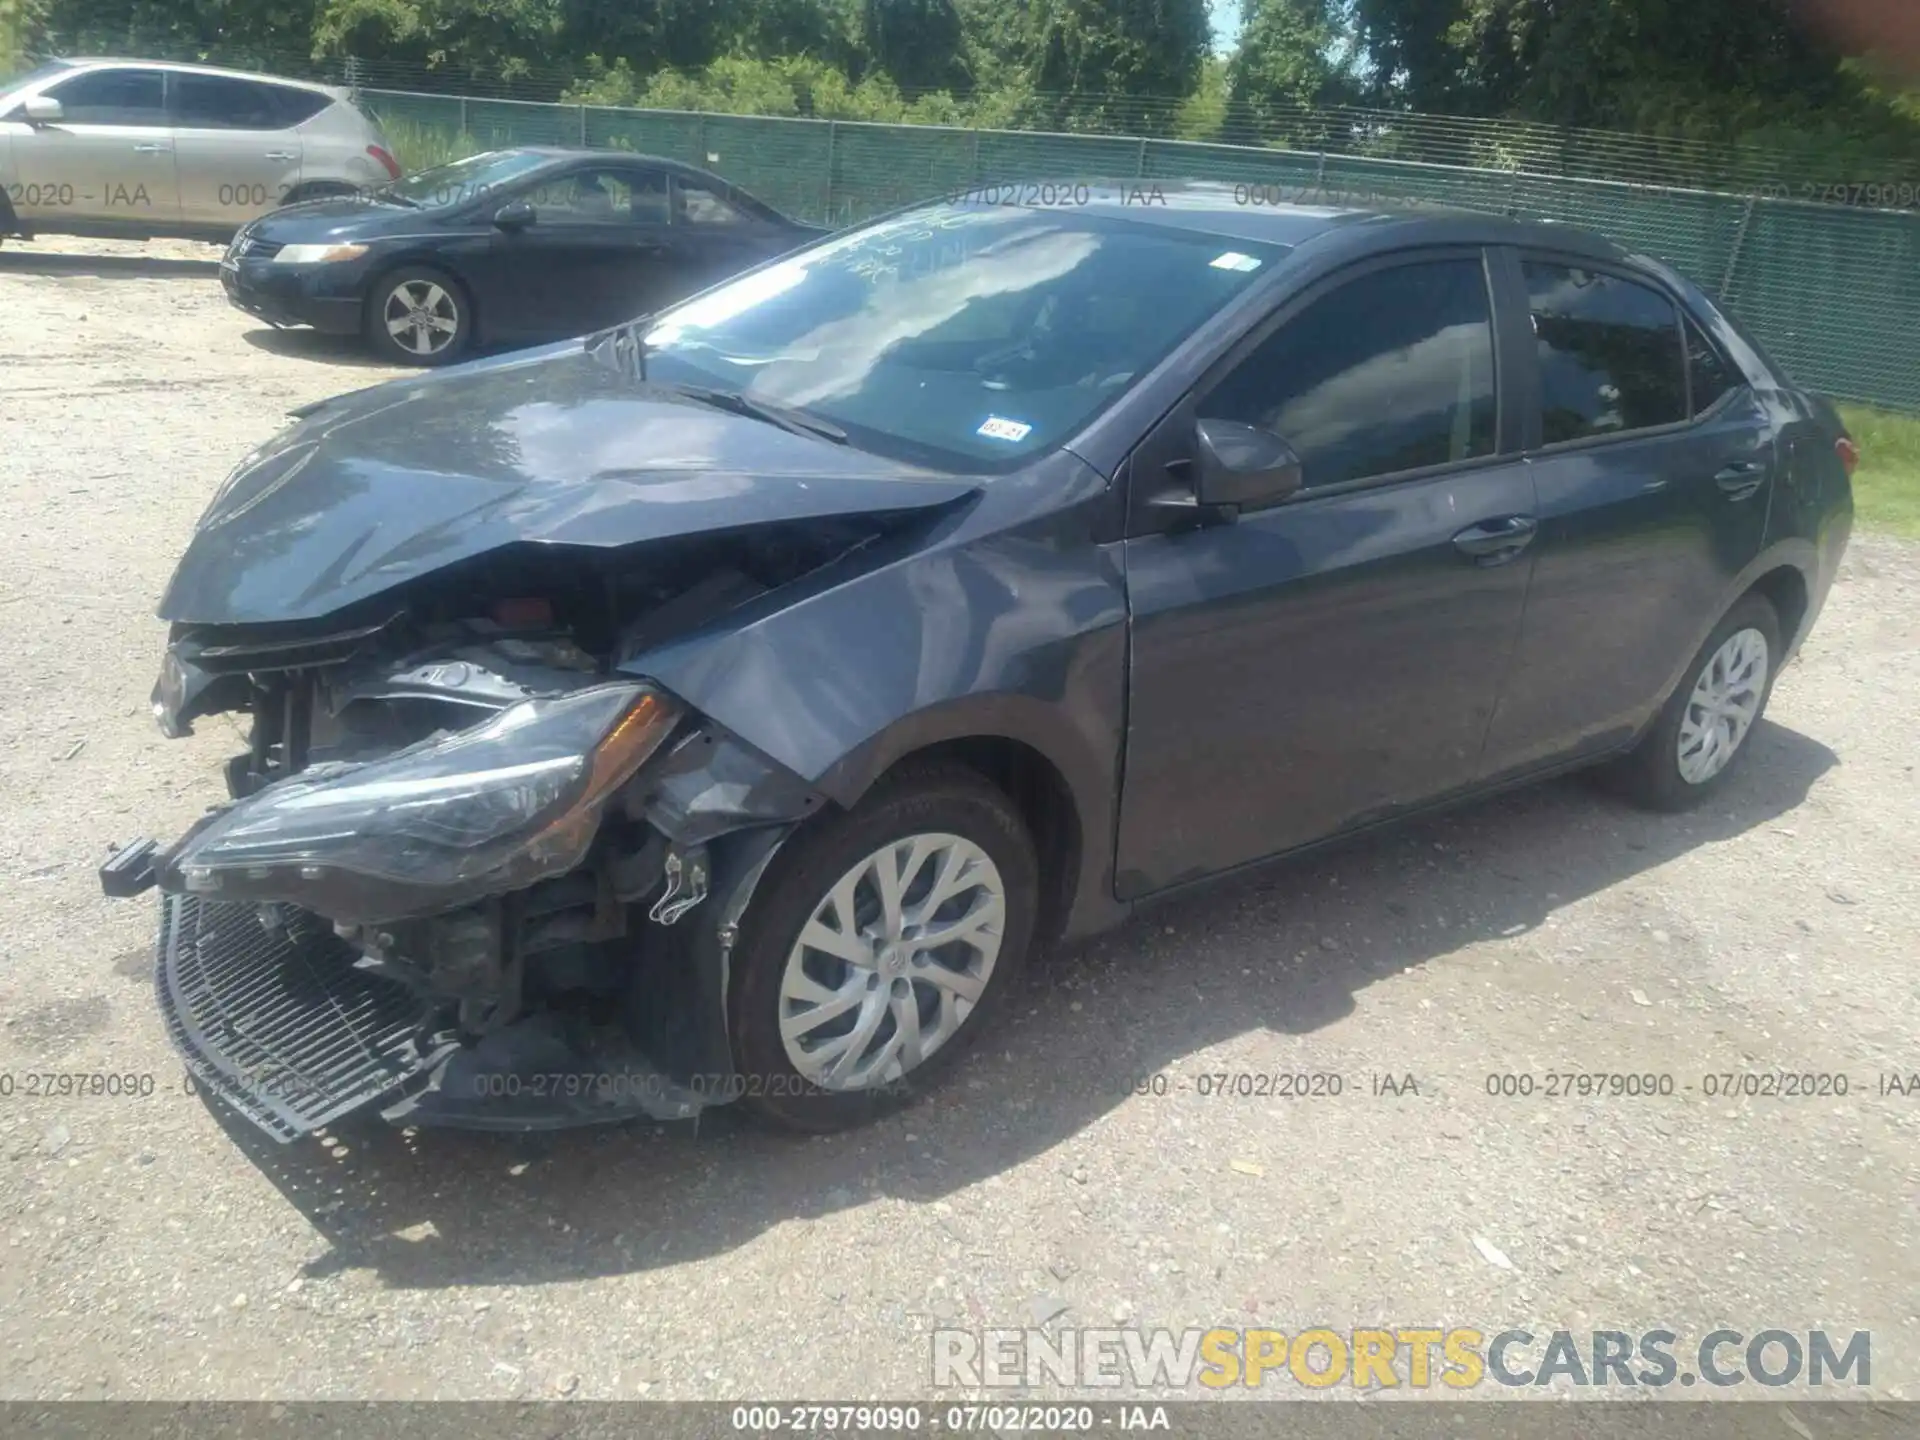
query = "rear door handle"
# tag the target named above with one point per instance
(281, 155)
(1741, 479)
(1494, 542)
(151, 149)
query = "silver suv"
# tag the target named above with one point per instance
(137, 148)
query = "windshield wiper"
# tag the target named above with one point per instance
(624, 347)
(787, 417)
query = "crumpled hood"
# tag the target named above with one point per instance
(392, 483)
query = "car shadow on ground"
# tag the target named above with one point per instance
(1291, 949)
(314, 346)
(110, 267)
(297, 343)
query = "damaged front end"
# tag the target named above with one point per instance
(472, 871)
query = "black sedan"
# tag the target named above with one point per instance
(510, 247)
(726, 705)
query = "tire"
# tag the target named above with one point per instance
(1656, 774)
(931, 804)
(442, 298)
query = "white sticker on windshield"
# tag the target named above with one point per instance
(1234, 260)
(994, 428)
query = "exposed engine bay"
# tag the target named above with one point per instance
(466, 819)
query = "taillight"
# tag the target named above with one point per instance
(392, 165)
(1848, 452)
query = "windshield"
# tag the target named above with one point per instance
(960, 336)
(466, 179)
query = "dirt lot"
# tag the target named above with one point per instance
(146, 1251)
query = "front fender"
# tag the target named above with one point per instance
(997, 631)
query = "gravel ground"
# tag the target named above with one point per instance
(147, 1250)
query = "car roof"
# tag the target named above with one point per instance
(79, 62)
(588, 152)
(1291, 215)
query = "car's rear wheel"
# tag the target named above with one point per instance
(1706, 725)
(881, 944)
(418, 316)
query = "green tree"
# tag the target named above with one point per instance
(919, 44)
(1118, 65)
(1596, 62)
(1407, 50)
(998, 42)
(684, 34)
(257, 32)
(826, 30)
(20, 23)
(1752, 72)
(476, 41)
(1203, 114)
(1286, 63)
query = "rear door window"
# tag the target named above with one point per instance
(112, 97)
(1609, 351)
(1712, 373)
(701, 205)
(296, 107)
(220, 102)
(652, 198)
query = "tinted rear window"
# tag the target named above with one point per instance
(298, 106)
(1712, 373)
(1610, 357)
(219, 102)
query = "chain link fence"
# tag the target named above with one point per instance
(1832, 290)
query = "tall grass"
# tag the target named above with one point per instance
(421, 147)
(1886, 488)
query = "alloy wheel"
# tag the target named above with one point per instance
(892, 961)
(421, 317)
(1723, 706)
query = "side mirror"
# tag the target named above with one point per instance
(1242, 465)
(514, 215)
(42, 110)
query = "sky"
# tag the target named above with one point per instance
(1226, 23)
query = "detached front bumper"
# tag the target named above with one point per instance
(282, 1026)
(289, 1029)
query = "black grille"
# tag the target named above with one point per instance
(281, 1026)
(252, 249)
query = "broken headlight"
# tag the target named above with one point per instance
(479, 812)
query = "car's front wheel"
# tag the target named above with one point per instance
(881, 944)
(1706, 724)
(418, 316)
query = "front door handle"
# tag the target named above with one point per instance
(1741, 479)
(281, 155)
(1494, 542)
(151, 149)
